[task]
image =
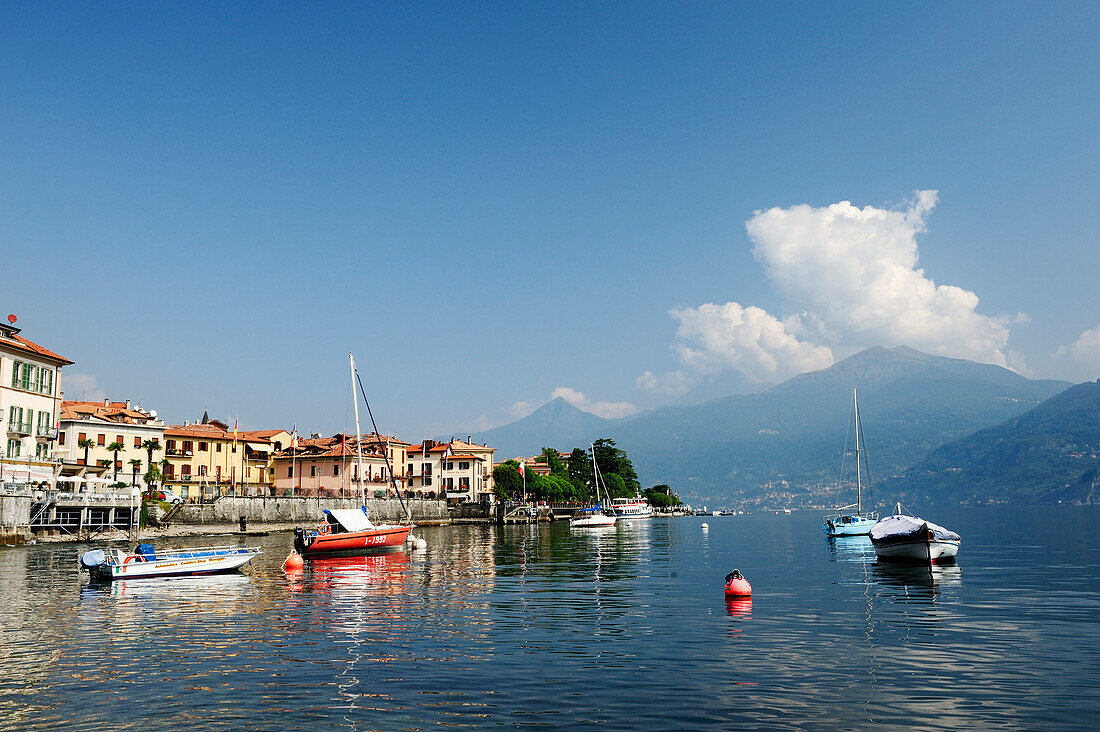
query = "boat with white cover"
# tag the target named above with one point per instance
(146, 562)
(905, 538)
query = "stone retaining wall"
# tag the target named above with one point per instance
(228, 510)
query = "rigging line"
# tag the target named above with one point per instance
(385, 452)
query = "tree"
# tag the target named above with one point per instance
(611, 459)
(661, 496)
(162, 474)
(507, 482)
(550, 458)
(580, 472)
(85, 443)
(135, 464)
(149, 446)
(616, 486)
(116, 448)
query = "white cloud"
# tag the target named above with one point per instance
(851, 278)
(519, 410)
(855, 269)
(716, 338)
(672, 383)
(1083, 356)
(607, 410)
(81, 387)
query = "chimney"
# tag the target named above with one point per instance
(127, 403)
(106, 402)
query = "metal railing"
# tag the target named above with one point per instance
(20, 428)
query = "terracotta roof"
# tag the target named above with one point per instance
(110, 412)
(325, 447)
(20, 343)
(465, 457)
(208, 431)
(262, 433)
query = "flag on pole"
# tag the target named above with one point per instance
(522, 470)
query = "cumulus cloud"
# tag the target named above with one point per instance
(1083, 355)
(607, 410)
(851, 278)
(519, 410)
(715, 338)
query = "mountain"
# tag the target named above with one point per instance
(555, 424)
(1049, 454)
(783, 444)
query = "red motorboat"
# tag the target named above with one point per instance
(347, 532)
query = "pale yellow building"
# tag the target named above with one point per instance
(461, 472)
(210, 458)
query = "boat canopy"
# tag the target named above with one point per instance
(900, 525)
(352, 519)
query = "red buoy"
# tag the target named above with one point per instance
(737, 586)
(293, 561)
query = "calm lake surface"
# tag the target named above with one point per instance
(619, 628)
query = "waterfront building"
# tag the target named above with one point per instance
(30, 399)
(209, 458)
(328, 466)
(87, 429)
(460, 471)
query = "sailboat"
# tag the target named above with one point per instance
(594, 516)
(344, 532)
(841, 521)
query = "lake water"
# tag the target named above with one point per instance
(621, 628)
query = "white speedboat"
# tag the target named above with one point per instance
(106, 565)
(631, 508)
(904, 538)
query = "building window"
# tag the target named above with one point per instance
(81, 436)
(428, 481)
(187, 446)
(464, 465)
(13, 448)
(170, 445)
(202, 447)
(290, 471)
(137, 441)
(218, 447)
(410, 468)
(312, 471)
(101, 439)
(185, 470)
(427, 469)
(118, 438)
(60, 438)
(335, 470)
(15, 365)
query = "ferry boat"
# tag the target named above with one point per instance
(146, 562)
(631, 508)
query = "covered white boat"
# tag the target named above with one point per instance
(904, 538)
(106, 565)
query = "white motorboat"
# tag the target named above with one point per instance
(904, 538)
(631, 508)
(146, 562)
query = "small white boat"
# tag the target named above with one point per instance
(106, 565)
(594, 517)
(631, 508)
(841, 521)
(904, 538)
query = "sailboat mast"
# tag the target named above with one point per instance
(358, 448)
(859, 484)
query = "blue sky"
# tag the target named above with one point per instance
(208, 206)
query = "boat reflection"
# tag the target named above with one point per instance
(851, 549)
(375, 574)
(212, 588)
(908, 576)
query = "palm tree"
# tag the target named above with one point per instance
(116, 448)
(135, 464)
(85, 443)
(164, 471)
(149, 446)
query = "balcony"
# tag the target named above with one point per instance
(45, 432)
(22, 429)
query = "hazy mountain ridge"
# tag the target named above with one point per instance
(1047, 455)
(788, 439)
